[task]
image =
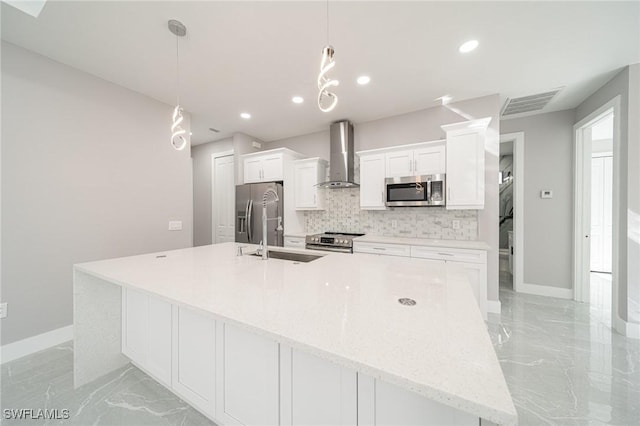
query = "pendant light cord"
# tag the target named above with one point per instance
(327, 21)
(177, 71)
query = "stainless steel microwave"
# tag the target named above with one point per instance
(412, 191)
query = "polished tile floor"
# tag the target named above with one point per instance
(561, 361)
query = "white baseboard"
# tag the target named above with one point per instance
(34, 344)
(494, 306)
(628, 329)
(545, 290)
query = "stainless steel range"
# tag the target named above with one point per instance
(331, 241)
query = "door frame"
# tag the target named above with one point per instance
(214, 156)
(518, 205)
(582, 205)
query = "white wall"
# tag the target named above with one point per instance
(87, 173)
(420, 126)
(625, 84)
(548, 223)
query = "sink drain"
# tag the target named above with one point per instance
(406, 301)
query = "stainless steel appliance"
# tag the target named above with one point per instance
(411, 191)
(341, 146)
(249, 214)
(331, 241)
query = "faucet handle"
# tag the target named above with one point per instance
(239, 250)
(260, 248)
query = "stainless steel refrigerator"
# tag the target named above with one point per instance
(249, 214)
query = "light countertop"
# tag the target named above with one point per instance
(475, 245)
(344, 308)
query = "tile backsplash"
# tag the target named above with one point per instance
(343, 214)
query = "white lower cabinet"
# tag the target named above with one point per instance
(250, 379)
(294, 242)
(236, 377)
(146, 333)
(389, 405)
(323, 393)
(194, 359)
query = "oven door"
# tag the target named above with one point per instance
(407, 191)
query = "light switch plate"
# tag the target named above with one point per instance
(3, 310)
(175, 225)
(546, 193)
(455, 224)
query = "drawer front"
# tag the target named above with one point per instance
(386, 249)
(294, 242)
(450, 254)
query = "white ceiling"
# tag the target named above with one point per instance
(254, 56)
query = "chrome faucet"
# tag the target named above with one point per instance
(263, 247)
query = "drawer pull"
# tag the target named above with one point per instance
(445, 254)
(379, 248)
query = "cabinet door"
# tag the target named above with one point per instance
(399, 163)
(465, 170)
(429, 161)
(272, 167)
(396, 406)
(158, 362)
(253, 170)
(372, 175)
(251, 379)
(146, 337)
(323, 392)
(135, 324)
(194, 359)
(306, 193)
(294, 242)
(477, 274)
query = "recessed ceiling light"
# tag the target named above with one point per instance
(363, 79)
(297, 100)
(468, 46)
(245, 115)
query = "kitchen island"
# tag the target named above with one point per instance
(248, 341)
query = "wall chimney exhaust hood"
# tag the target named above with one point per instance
(341, 156)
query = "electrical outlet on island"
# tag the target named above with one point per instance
(455, 224)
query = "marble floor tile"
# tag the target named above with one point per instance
(124, 397)
(562, 362)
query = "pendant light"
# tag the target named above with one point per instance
(326, 100)
(178, 140)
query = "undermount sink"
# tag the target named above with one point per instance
(295, 257)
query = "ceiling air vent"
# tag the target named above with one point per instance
(528, 103)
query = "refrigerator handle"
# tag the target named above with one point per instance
(248, 216)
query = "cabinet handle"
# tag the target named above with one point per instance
(314, 199)
(415, 165)
(410, 164)
(379, 248)
(445, 254)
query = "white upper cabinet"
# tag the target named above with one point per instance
(308, 174)
(372, 175)
(399, 163)
(430, 160)
(465, 164)
(427, 160)
(268, 166)
(263, 168)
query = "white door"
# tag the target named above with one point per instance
(429, 161)
(223, 200)
(372, 175)
(601, 214)
(400, 163)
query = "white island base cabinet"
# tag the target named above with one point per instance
(236, 377)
